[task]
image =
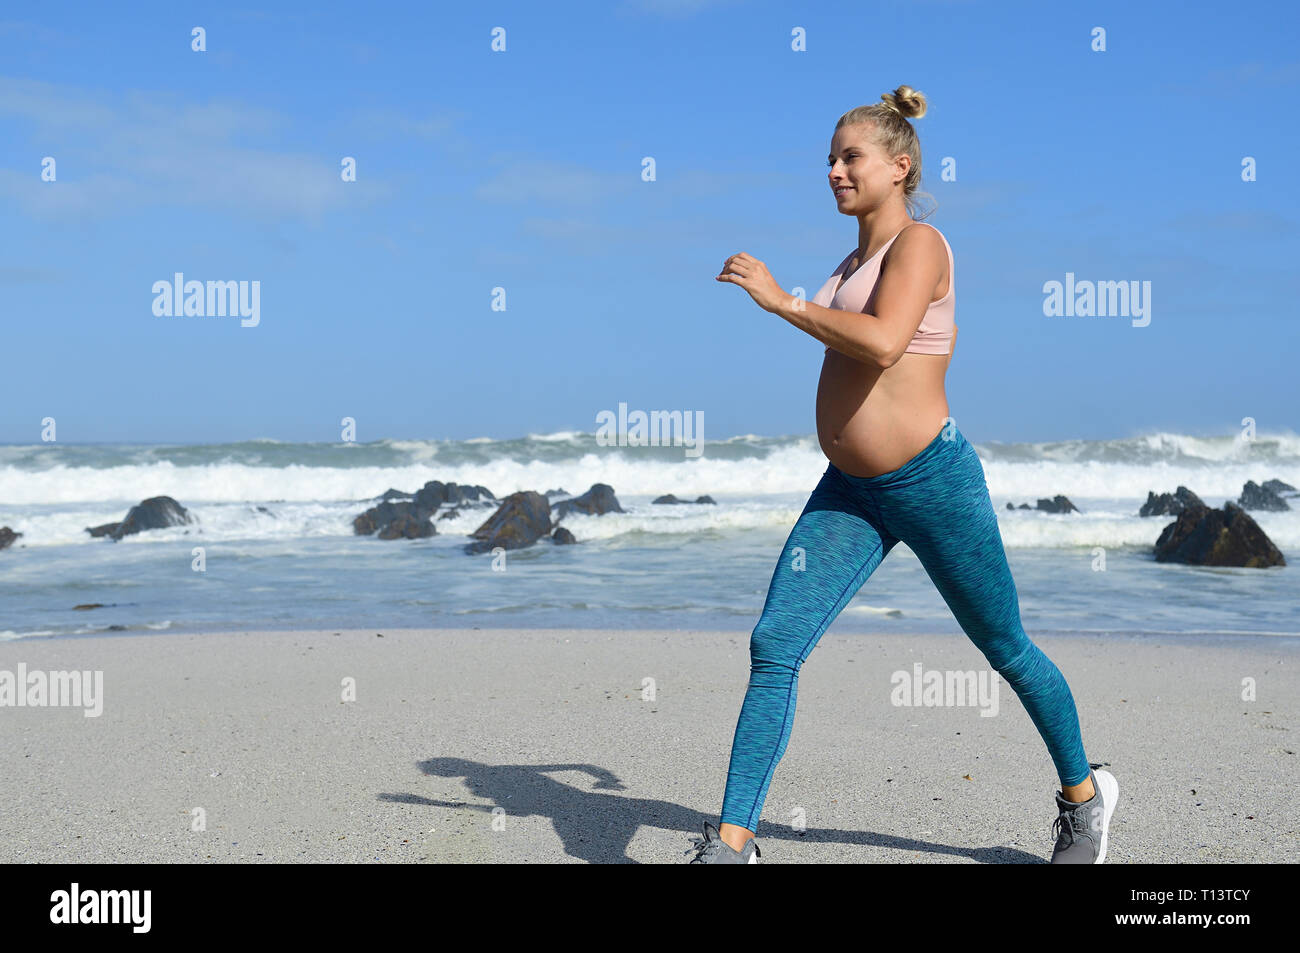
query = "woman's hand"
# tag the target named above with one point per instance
(752, 275)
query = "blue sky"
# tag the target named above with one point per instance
(522, 169)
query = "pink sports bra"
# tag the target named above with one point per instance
(858, 293)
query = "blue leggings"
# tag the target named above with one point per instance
(938, 504)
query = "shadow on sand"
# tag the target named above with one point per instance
(598, 827)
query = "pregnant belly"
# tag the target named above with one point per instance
(871, 421)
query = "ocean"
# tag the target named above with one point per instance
(295, 562)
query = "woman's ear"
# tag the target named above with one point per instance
(903, 163)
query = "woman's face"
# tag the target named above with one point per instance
(861, 176)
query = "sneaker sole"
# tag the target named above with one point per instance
(1109, 798)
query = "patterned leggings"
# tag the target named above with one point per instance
(938, 504)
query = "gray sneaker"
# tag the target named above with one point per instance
(1081, 828)
(711, 849)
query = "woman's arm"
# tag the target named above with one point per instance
(913, 266)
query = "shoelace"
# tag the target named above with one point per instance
(703, 847)
(1077, 823)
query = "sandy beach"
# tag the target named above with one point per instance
(544, 746)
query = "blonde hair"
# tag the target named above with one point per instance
(891, 131)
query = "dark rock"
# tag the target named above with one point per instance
(563, 536)
(1255, 497)
(408, 527)
(706, 499)
(7, 537)
(1169, 504)
(402, 519)
(263, 509)
(379, 516)
(409, 515)
(669, 498)
(1278, 487)
(431, 496)
(1217, 537)
(90, 605)
(435, 493)
(117, 628)
(550, 493)
(520, 520)
(597, 501)
(102, 530)
(157, 512)
(1057, 504)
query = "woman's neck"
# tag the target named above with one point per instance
(873, 232)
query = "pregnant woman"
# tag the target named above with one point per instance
(899, 470)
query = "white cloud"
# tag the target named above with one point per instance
(152, 149)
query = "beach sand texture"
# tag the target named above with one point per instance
(537, 746)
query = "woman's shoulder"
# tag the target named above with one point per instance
(927, 226)
(921, 240)
(921, 237)
(925, 234)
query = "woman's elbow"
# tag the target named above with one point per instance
(889, 358)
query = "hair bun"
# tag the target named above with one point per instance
(906, 101)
